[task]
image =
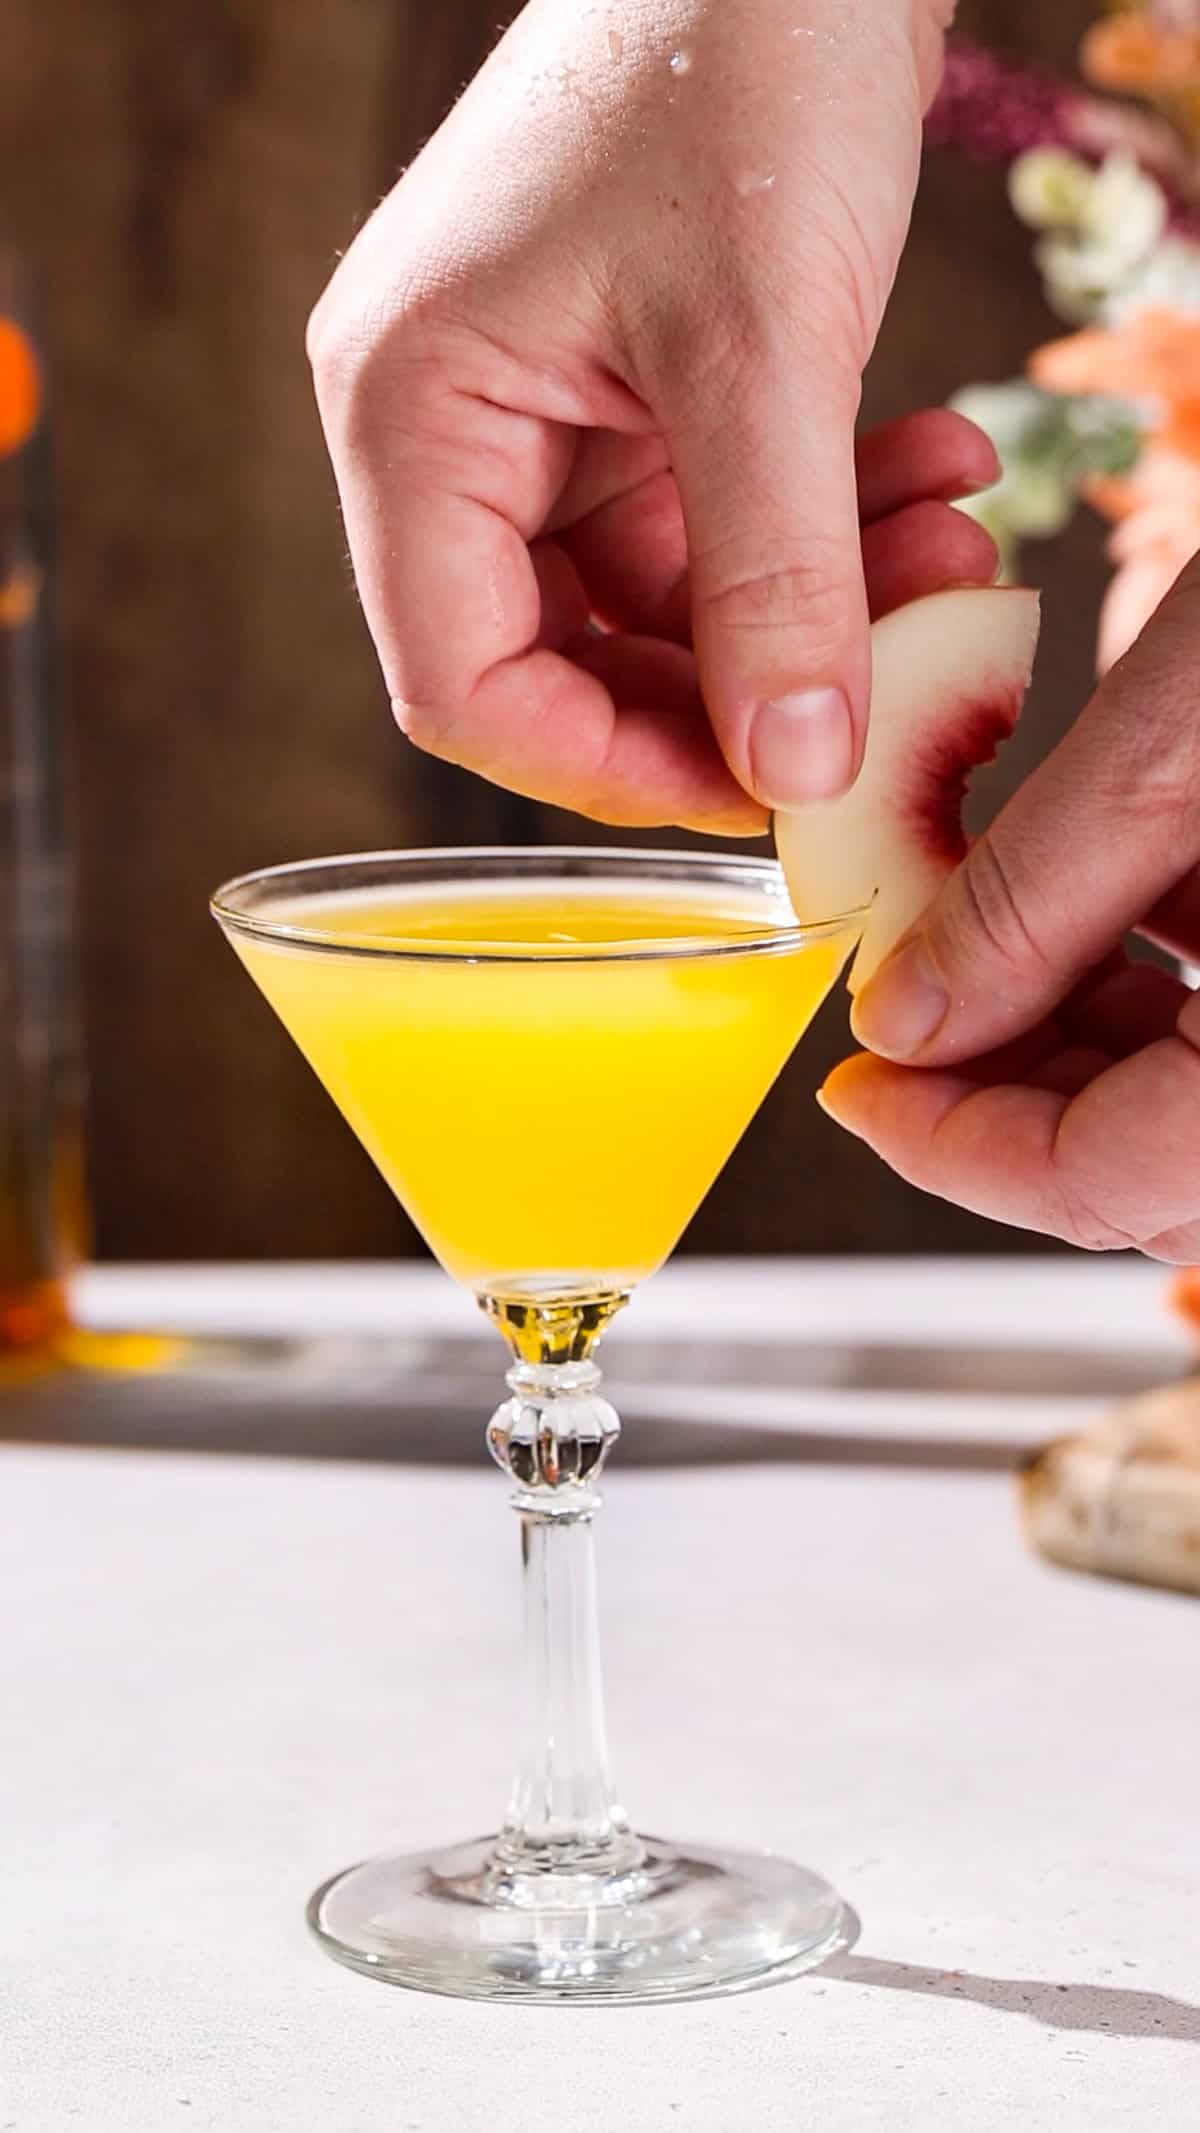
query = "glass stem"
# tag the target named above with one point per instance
(563, 1802)
(552, 1438)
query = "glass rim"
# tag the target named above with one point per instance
(232, 905)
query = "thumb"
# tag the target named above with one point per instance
(779, 609)
(1088, 845)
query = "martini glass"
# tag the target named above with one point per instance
(550, 1054)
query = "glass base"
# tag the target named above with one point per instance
(678, 1924)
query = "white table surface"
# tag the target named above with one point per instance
(222, 1677)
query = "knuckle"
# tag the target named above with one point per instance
(700, 357)
(987, 910)
(779, 593)
(358, 344)
(341, 352)
(1174, 1247)
(716, 336)
(1121, 1191)
(1084, 1226)
(1150, 791)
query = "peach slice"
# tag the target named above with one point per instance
(950, 675)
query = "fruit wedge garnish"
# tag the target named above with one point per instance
(950, 675)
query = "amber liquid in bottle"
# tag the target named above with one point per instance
(42, 1197)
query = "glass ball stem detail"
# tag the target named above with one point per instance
(552, 1439)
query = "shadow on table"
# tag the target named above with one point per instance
(425, 1402)
(1105, 2010)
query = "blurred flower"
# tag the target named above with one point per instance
(1048, 446)
(1151, 52)
(1102, 225)
(1050, 188)
(1110, 413)
(1098, 129)
(1152, 357)
(1157, 513)
(1146, 54)
(991, 110)
(1169, 280)
(1119, 246)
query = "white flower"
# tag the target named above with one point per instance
(1007, 413)
(1169, 280)
(1102, 226)
(1125, 213)
(1049, 188)
(1048, 444)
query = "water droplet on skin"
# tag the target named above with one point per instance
(755, 182)
(616, 47)
(679, 62)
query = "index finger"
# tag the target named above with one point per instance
(444, 485)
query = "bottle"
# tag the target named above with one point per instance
(42, 1193)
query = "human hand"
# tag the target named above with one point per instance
(598, 357)
(1048, 1081)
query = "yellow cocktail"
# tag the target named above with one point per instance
(546, 1114)
(549, 1056)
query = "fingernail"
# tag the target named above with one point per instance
(835, 1104)
(901, 1007)
(980, 482)
(828, 1105)
(802, 748)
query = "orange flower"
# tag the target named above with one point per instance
(1157, 514)
(20, 388)
(1112, 495)
(1182, 432)
(1153, 356)
(1150, 355)
(1185, 1296)
(1139, 57)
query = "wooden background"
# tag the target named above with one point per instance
(185, 176)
